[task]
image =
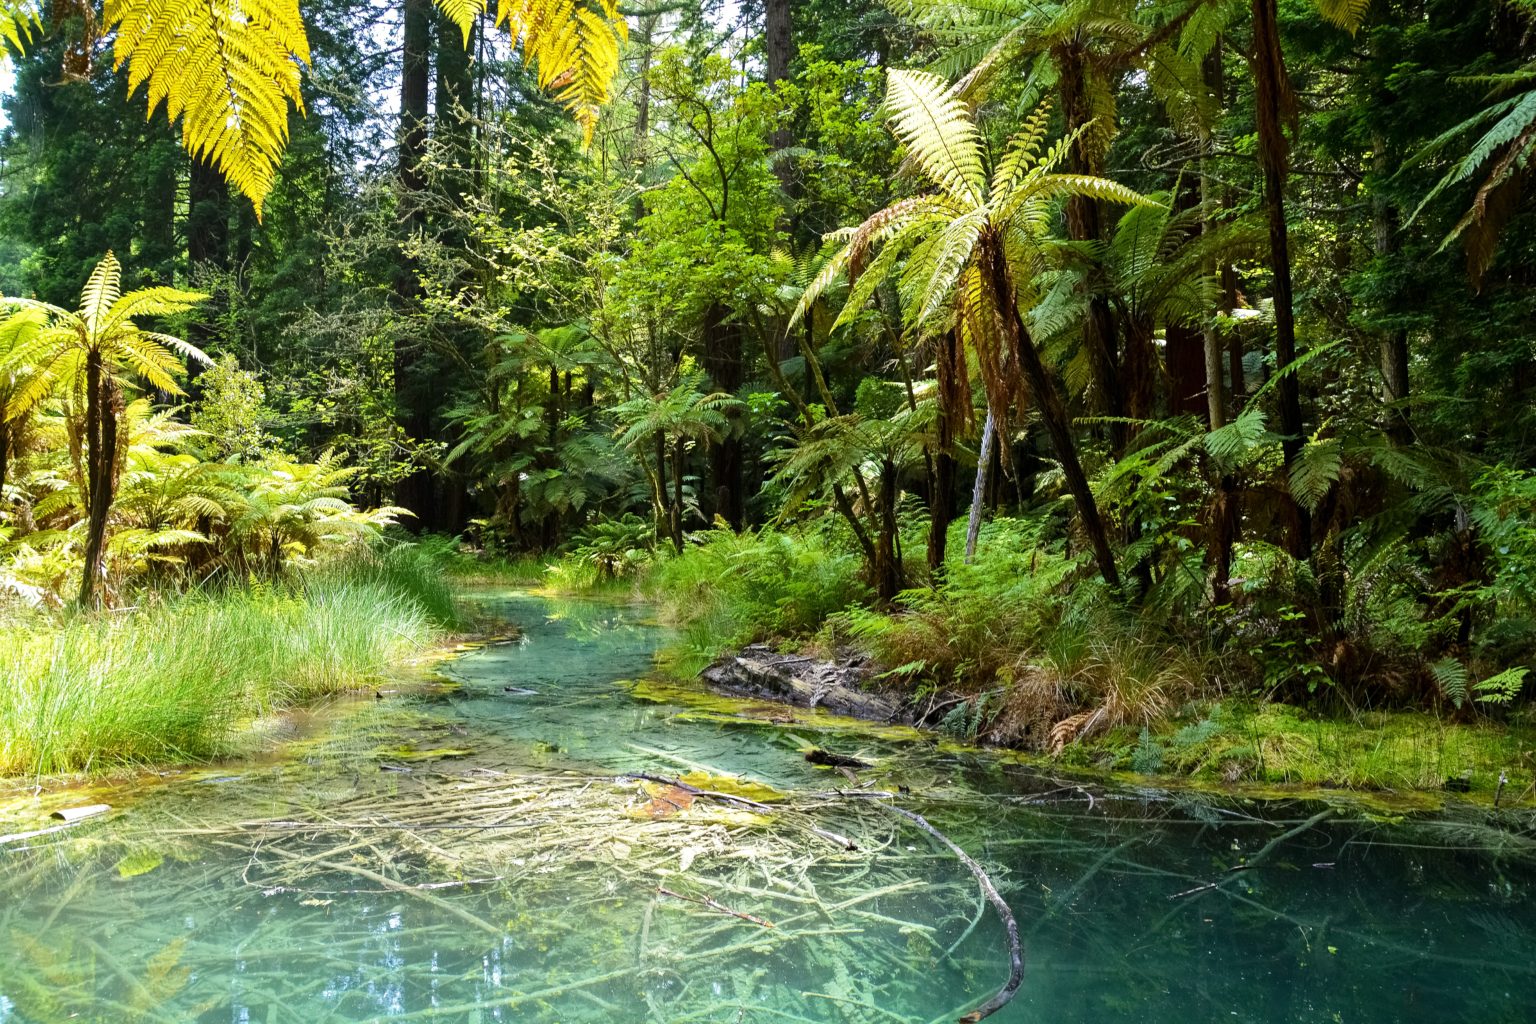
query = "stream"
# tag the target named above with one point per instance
(477, 849)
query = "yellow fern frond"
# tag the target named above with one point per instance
(19, 22)
(938, 130)
(227, 68)
(101, 291)
(573, 46)
(462, 13)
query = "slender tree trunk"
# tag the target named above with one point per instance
(677, 494)
(1211, 340)
(724, 362)
(663, 523)
(979, 492)
(415, 491)
(1394, 341)
(888, 569)
(1274, 107)
(1048, 401)
(941, 503)
(101, 453)
(5, 454)
(1226, 511)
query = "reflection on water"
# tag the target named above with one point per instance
(473, 855)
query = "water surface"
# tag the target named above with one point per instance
(473, 853)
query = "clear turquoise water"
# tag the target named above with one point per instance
(172, 910)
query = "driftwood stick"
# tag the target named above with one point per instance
(395, 886)
(1015, 948)
(705, 901)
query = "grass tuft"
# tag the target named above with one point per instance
(172, 681)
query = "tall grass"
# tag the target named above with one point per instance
(171, 681)
(732, 589)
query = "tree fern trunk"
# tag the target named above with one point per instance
(1273, 106)
(101, 446)
(1085, 224)
(1047, 400)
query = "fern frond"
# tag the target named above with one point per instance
(1451, 677)
(462, 13)
(1315, 471)
(101, 291)
(938, 130)
(227, 68)
(573, 46)
(1347, 14)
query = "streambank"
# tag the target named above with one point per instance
(181, 679)
(1236, 743)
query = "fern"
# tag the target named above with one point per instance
(573, 44)
(227, 68)
(1502, 688)
(1347, 14)
(230, 69)
(938, 129)
(1315, 470)
(1451, 676)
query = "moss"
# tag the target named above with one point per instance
(1281, 745)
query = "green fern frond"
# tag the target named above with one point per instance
(1451, 677)
(1315, 470)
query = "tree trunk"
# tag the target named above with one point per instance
(5, 454)
(663, 524)
(677, 494)
(1048, 401)
(1085, 224)
(777, 50)
(979, 492)
(1140, 354)
(888, 570)
(724, 364)
(1273, 106)
(1394, 342)
(415, 491)
(101, 453)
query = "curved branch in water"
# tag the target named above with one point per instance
(1015, 948)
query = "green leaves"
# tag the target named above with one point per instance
(1234, 444)
(1315, 470)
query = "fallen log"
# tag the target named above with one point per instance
(1015, 948)
(838, 686)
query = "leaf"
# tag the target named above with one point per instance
(938, 130)
(227, 68)
(1315, 470)
(1451, 676)
(1502, 688)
